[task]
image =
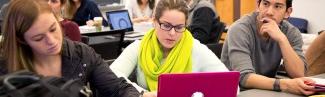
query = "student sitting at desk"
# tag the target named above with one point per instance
(70, 28)
(256, 44)
(167, 48)
(82, 11)
(33, 40)
(140, 10)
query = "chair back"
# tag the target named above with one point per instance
(300, 23)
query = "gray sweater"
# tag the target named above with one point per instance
(246, 52)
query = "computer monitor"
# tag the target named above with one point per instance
(119, 19)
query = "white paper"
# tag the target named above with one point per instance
(319, 80)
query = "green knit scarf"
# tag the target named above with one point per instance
(179, 60)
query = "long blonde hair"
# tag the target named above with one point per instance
(70, 9)
(20, 17)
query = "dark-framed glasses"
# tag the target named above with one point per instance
(167, 27)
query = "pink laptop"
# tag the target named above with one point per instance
(212, 84)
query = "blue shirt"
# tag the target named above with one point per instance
(87, 11)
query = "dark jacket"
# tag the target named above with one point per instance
(81, 61)
(87, 11)
(204, 22)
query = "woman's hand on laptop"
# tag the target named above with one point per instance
(150, 94)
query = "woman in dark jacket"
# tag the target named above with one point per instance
(70, 28)
(33, 40)
(82, 11)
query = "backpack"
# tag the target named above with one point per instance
(28, 84)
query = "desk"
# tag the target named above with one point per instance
(108, 48)
(268, 93)
(108, 43)
(91, 31)
(265, 93)
(139, 30)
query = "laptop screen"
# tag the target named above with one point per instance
(119, 19)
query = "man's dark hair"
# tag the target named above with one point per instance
(288, 3)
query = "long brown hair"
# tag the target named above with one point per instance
(70, 9)
(20, 17)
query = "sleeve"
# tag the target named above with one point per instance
(239, 52)
(202, 23)
(127, 62)
(71, 30)
(95, 12)
(295, 39)
(105, 81)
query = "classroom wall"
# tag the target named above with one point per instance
(247, 6)
(313, 11)
(225, 8)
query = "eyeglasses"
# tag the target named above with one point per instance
(167, 27)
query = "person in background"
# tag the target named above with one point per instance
(315, 55)
(204, 21)
(3, 11)
(140, 10)
(82, 12)
(167, 48)
(33, 40)
(256, 44)
(70, 28)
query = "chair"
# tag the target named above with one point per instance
(85, 39)
(300, 23)
(221, 28)
(215, 46)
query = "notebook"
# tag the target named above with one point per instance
(212, 84)
(119, 19)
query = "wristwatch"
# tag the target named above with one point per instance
(276, 85)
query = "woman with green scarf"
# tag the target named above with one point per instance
(167, 48)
